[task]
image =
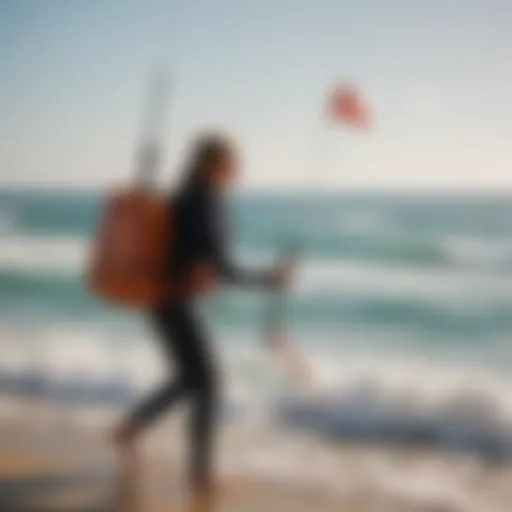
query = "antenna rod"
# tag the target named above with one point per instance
(149, 152)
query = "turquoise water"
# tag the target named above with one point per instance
(392, 295)
(435, 266)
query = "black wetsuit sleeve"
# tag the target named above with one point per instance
(213, 235)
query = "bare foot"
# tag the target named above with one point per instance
(228, 487)
(127, 493)
(200, 502)
(124, 437)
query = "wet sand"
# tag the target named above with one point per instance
(53, 467)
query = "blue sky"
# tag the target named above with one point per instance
(437, 76)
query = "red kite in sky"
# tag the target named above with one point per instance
(346, 106)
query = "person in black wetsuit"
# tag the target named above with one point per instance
(197, 260)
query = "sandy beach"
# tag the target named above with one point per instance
(54, 465)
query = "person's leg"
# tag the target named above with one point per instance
(153, 406)
(203, 422)
(201, 379)
(168, 327)
(183, 344)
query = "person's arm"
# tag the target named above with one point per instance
(214, 243)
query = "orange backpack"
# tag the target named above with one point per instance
(129, 252)
(128, 260)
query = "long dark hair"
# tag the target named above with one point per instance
(208, 152)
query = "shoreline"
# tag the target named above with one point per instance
(72, 468)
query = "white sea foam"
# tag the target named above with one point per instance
(479, 253)
(43, 254)
(385, 280)
(388, 387)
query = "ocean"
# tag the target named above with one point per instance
(401, 305)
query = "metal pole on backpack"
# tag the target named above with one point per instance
(149, 153)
